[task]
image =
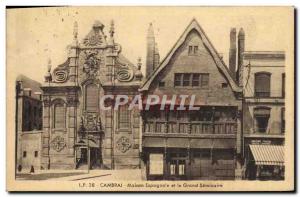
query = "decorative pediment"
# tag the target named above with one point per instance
(124, 73)
(61, 72)
(96, 36)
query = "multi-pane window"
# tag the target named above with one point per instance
(161, 84)
(262, 84)
(195, 79)
(191, 79)
(59, 115)
(186, 79)
(193, 50)
(91, 97)
(177, 79)
(124, 117)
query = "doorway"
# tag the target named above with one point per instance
(177, 166)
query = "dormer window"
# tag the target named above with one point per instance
(193, 50)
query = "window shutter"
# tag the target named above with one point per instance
(262, 84)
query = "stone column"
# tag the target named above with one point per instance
(46, 132)
(73, 57)
(72, 123)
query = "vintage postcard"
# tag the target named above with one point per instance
(150, 99)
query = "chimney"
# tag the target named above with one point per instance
(232, 53)
(150, 51)
(241, 49)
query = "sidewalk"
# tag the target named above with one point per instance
(76, 175)
(105, 175)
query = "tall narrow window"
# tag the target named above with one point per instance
(204, 80)
(195, 81)
(195, 49)
(177, 79)
(190, 50)
(262, 84)
(186, 79)
(283, 120)
(283, 85)
(59, 115)
(124, 117)
(91, 97)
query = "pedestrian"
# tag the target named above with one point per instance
(32, 169)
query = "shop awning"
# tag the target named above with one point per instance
(272, 155)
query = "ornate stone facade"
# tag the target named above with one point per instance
(74, 124)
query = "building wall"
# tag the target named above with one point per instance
(218, 93)
(121, 146)
(96, 61)
(28, 122)
(32, 114)
(58, 143)
(31, 142)
(273, 66)
(274, 124)
(273, 63)
(203, 62)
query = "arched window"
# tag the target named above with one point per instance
(262, 84)
(59, 118)
(91, 97)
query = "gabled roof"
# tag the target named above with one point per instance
(194, 25)
(29, 83)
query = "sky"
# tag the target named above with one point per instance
(36, 34)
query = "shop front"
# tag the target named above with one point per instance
(189, 159)
(265, 162)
